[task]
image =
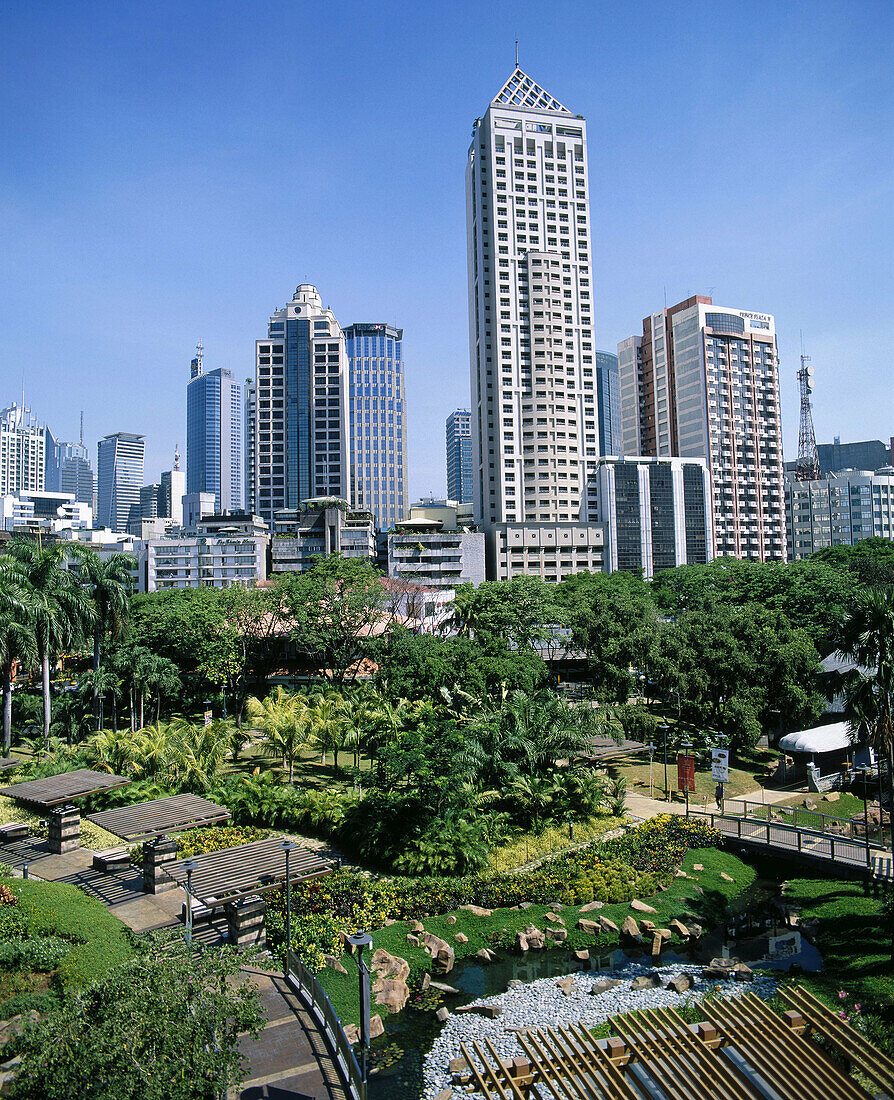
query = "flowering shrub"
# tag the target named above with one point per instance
(196, 842)
(658, 845)
(7, 897)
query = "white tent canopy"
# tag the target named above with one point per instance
(820, 739)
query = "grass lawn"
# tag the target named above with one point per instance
(843, 808)
(98, 941)
(749, 774)
(521, 850)
(501, 927)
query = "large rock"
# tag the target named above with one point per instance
(641, 907)
(335, 964)
(591, 927)
(630, 928)
(645, 981)
(485, 955)
(657, 946)
(441, 987)
(376, 1026)
(389, 966)
(604, 986)
(606, 925)
(460, 937)
(477, 911)
(553, 918)
(591, 905)
(742, 973)
(442, 1014)
(726, 877)
(681, 983)
(680, 928)
(557, 935)
(566, 985)
(720, 972)
(441, 952)
(451, 919)
(832, 796)
(391, 994)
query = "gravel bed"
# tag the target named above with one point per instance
(542, 1003)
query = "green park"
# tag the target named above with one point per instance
(496, 803)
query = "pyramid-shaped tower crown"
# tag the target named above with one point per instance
(523, 92)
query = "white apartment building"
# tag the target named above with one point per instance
(703, 382)
(211, 561)
(535, 437)
(299, 437)
(23, 444)
(839, 510)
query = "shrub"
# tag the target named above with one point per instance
(196, 842)
(43, 953)
(659, 844)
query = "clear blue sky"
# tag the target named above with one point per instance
(172, 170)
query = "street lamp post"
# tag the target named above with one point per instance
(864, 770)
(651, 749)
(189, 866)
(288, 846)
(687, 750)
(663, 728)
(361, 940)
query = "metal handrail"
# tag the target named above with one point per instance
(814, 830)
(312, 994)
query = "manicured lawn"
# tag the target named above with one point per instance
(747, 775)
(98, 939)
(500, 928)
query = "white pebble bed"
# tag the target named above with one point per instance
(542, 1003)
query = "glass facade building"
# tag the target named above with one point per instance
(119, 474)
(377, 421)
(608, 403)
(214, 425)
(459, 457)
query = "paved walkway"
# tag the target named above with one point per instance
(289, 1060)
(643, 807)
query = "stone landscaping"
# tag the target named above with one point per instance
(590, 997)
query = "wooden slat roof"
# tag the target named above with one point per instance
(744, 1048)
(248, 869)
(163, 815)
(56, 790)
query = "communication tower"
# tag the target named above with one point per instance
(808, 456)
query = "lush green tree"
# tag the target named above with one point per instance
(870, 561)
(109, 585)
(523, 612)
(164, 1026)
(17, 639)
(59, 610)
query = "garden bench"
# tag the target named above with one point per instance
(199, 911)
(13, 830)
(113, 859)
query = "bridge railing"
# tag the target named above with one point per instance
(803, 818)
(317, 1002)
(831, 846)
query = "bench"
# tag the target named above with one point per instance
(199, 912)
(113, 859)
(13, 830)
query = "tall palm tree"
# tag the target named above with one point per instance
(867, 638)
(109, 585)
(102, 682)
(17, 645)
(58, 606)
(285, 719)
(327, 723)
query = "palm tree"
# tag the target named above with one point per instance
(285, 719)
(162, 677)
(327, 721)
(109, 585)
(462, 612)
(101, 682)
(58, 606)
(867, 638)
(16, 636)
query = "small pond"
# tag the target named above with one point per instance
(755, 932)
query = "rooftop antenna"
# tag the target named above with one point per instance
(516, 53)
(198, 364)
(176, 456)
(808, 468)
(82, 427)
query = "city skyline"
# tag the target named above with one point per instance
(110, 188)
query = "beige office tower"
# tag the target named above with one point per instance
(703, 382)
(535, 439)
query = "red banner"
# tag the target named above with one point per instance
(686, 773)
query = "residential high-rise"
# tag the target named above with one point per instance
(459, 456)
(703, 382)
(22, 451)
(608, 403)
(534, 427)
(119, 475)
(214, 425)
(248, 434)
(301, 415)
(378, 428)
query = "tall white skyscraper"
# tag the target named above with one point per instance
(535, 435)
(300, 435)
(214, 424)
(703, 382)
(22, 451)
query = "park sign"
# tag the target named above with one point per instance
(686, 773)
(720, 765)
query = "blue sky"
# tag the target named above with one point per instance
(171, 171)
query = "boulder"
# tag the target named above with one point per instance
(391, 994)
(416, 926)
(352, 1034)
(566, 985)
(657, 945)
(645, 981)
(442, 1014)
(557, 935)
(426, 981)
(458, 1065)
(680, 928)
(557, 905)
(649, 925)
(389, 966)
(441, 987)
(809, 804)
(376, 1026)
(334, 964)
(440, 951)
(742, 973)
(460, 937)
(536, 940)
(591, 927)
(606, 925)
(526, 905)
(412, 939)
(514, 983)
(485, 955)
(630, 928)
(604, 986)
(664, 933)
(477, 911)
(490, 1011)
(641, 907)
(699, 891)
(698, 867)
(554, 918)
(680, 873)
(726, 877)
(591, 906)
(451, 919)
(681, 983)
(832, 796)
(15, 1025)
(583, 956)
(721, 972)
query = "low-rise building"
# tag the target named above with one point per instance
(839, 510)
(437, 546)
(322, 526)
(211, 561)
(551, 551)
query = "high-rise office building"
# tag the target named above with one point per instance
(75, 473)
(214, 426)
(839, 510)
(119, 475)
(608, 403)
(459, 456)
(534, 428)
(248, 435)
(22, 451)
(703, 382)
(301, 415)
(378, 427)
(869, 454)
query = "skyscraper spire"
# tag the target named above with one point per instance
(176, 456)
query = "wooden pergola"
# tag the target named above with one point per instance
(740, 1050)
(57, 790)
(146, 820)
(236, 873)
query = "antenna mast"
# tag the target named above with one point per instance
(808, 455)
